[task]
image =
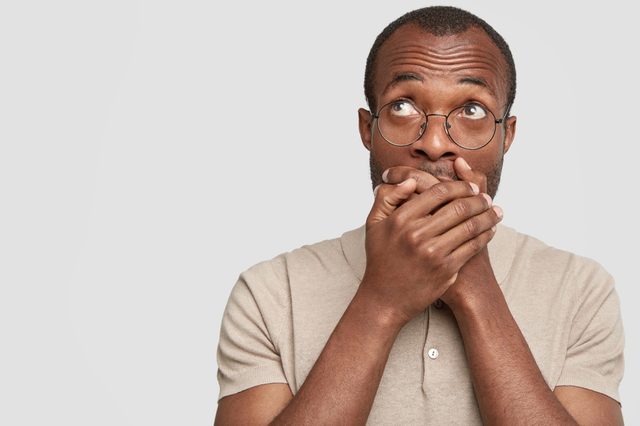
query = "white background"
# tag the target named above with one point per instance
(152, 150)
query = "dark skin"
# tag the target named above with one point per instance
(433, 213)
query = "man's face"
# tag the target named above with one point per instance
(439, 74)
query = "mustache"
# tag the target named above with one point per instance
(439, 170)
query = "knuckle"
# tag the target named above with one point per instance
(430, 251)
(460, 208)
(386, 193)
(439, 191)
(432, 255)
(401, 218)
(422, 177)
(383, 189)
(419, 179)
(475, 245)
(471, 226)
(378, 191)
(425, 181)
(413, 238)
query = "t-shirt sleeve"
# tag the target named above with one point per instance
(596, 341)
(248, 352)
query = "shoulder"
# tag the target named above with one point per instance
(551, 276)
(273, 278)
(304, 257)
(547, 261)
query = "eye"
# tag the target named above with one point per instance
(403, 108)
(473, 112)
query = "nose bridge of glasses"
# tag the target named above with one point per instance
(435, 136)
(426, 120)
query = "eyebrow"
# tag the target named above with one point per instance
(400, 77)
(476, 81)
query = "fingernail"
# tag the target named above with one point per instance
(375, 190)
(384, 175)
(494, 228)
(488, 198)
(465, 164)
(474, 188)
(498, 211)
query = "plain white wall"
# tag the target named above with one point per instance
(152, 150)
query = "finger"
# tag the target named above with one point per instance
(388, 198)
(466, 173)
(466, 251)
(397, 174)
(457, 212)
(435, 197)
(412, 196)
(470, 229)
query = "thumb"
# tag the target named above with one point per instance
(389, 198)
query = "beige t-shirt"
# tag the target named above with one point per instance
(281, 313)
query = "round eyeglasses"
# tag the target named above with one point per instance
(470, 126)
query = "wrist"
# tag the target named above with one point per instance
(376, 313)
(470, 296)
(475, 286)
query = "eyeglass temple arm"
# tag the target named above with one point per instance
(506, 113)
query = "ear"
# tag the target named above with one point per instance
(364, 125)
(510, 133)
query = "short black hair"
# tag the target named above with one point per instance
(439, 21)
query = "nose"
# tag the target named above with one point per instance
(434, 142)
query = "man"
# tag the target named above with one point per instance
(432, 313)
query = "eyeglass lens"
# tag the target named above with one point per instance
(470, 126)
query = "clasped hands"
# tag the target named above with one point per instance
(427, 239)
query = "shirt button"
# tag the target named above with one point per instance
(438, 304)
(433, 353)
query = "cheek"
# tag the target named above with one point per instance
(482, 161)
(387, 155)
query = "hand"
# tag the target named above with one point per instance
(476, 276)
(416, 245)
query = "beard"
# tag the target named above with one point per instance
(435, 169)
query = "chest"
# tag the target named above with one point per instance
(426, 379)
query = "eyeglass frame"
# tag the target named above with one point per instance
(376, 117)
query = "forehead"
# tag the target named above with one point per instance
(450, 58)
